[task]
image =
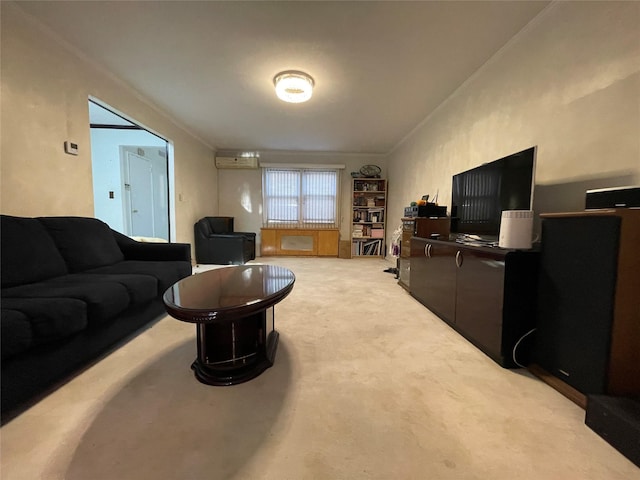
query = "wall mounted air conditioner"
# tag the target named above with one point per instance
(237, 162)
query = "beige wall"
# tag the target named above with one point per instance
(241, 190)
(45, 88)
(568, 83)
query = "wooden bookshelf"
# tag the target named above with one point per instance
(369, 211)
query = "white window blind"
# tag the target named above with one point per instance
(300, 197)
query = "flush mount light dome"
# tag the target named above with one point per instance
(293, 86)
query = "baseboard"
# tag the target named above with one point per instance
(568, 391)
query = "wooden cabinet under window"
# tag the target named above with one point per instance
(302, 242)
(369, 210)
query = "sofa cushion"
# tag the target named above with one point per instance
(83, 242)
(28, 253)
(167, 273)
(104, 300)
(49, 319)
(15, 332)
(141, 288)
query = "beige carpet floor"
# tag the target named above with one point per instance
(367, 384)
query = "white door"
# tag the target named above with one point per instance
(120, 160)
(139, 188)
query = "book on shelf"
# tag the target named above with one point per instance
(365, 230)
(372, 247)
(360, 215)
(368, 186)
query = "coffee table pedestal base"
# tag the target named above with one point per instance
(236, 351)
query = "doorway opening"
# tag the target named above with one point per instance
(132, 175)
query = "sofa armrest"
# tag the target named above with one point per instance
(246, 234)
(224, 248)
(236, 236)
(157, 251)
(134, 250)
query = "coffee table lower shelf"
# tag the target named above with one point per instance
(236, 351)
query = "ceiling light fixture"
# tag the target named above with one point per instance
(293, 86)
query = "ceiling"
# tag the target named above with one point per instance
(380, 68)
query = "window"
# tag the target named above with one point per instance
(300, 197)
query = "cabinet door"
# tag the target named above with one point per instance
(479, 301)
(433, 276)
(328, 243)
(408, 226)
(404, 269)
(268, 242)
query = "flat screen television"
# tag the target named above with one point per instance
(479, 195)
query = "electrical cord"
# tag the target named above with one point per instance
(513, 353)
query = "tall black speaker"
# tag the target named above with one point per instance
(588, 314)
(578, 271)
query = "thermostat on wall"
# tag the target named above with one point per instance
(71, 148)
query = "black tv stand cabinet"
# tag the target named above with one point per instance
(486, 294)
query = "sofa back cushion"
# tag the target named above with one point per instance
(83, 242)
(220, 225)
(28, 252)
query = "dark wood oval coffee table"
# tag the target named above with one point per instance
(233, 308)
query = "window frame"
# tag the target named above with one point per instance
(302, 198)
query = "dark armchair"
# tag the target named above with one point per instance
(217, 243)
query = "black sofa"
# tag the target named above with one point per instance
(217, 243)
(72, 289)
